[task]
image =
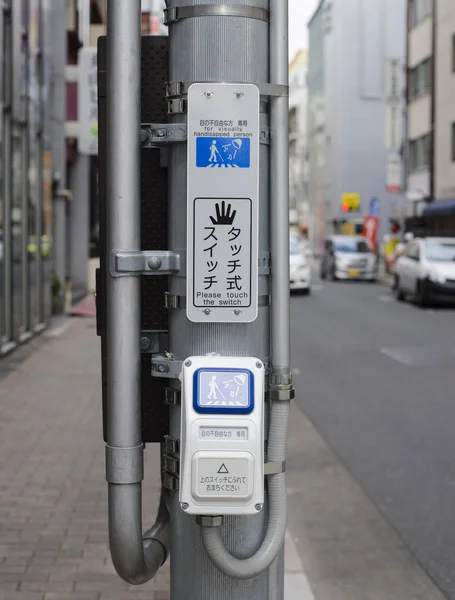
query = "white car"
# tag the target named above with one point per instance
(426, 271)
(300, 271)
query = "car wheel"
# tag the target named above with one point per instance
(399, 294)
(421, 296)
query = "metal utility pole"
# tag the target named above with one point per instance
(227, 355)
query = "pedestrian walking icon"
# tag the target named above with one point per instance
(226, 388)
(227, 153)
(214, 153)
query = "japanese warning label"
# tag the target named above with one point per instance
(223, 477)
(222, 253)
(223, 156)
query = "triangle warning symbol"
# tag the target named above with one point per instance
(223, 469)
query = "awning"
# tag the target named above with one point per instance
(440, 207)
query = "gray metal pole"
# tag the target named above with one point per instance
(235, 49)
(279, 188)
(135, 559)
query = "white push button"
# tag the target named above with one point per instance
(223, 475)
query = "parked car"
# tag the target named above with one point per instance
(300, 271)
(348, 257)
(426, 271)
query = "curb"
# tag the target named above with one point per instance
(296, 586)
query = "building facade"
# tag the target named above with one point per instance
(444, 100)
(298, 164)
(27, 139)
(355, 106)
(430, 165)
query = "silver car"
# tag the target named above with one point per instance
(348, 257)
(426, 271)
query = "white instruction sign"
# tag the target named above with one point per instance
(222, 247)
(223, 196)
(230, 477)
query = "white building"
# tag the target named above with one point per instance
(355, 100)
(298, 176)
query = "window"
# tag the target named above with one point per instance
(419, 153)
(419, 10)
(453, 142)
(420, 79)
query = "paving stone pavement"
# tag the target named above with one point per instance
(53, 493)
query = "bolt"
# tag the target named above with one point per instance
(207, 311)
(145, 342)
(162, 369)
(237, 312)
(188, 363)
(185, 506)
(259, 365)
(208, 95)
(155, 263)
(258, 507)
(161, 133)
(238, 94)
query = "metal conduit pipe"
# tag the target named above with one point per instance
(280, 381)
(136, 558)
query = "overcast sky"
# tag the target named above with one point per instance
(300, 11)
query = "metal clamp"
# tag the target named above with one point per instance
(124, 465)
(157, 262)
(274, 468)
(179, 302)
(157, 135)
(165, 366)
(282, 395)
(176, 13)
(264, 263)
(177, 89)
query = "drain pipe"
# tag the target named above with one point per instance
(136, 558)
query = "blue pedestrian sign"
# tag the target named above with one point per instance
(221, 152)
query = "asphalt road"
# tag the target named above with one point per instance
(377, 380)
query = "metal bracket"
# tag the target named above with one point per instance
(153, 342)
(170, 463)
(172, 397)
(166, 366)
(157, 135)
(179, 302)
(124, 465)
(265, 263)
(176, 13)
(176, 106)
(274, 468)
(281, 387)
(158, 262)
(177, 89)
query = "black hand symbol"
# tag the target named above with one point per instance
(225, 216)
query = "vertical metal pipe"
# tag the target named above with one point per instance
(123, 220)
(279, 187)
(40, 166)
(25, 321)
(135, 559)
(7, 177)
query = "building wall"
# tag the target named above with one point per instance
(298, 97)
(445, 100)
(419, 109)
(359, 38)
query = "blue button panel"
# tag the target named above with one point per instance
(223, 391)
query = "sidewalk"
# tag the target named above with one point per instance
(53, 492)
(53, 496)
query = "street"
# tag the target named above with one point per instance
(376, 379)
